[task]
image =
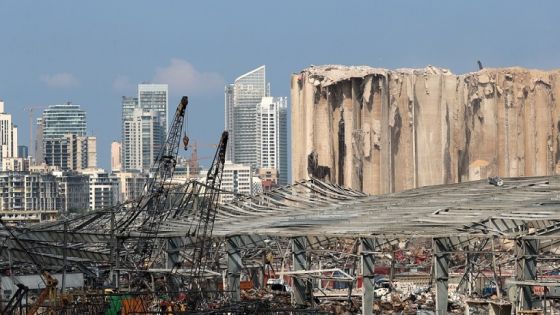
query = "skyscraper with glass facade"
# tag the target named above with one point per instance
(241, 100)
(59, 120)
(62, 133)
(154, 97)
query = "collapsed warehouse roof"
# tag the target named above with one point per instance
(312, 215)
(316, 208)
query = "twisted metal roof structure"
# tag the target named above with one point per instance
(316, 209)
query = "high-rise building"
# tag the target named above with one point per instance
(39, 155)
(154, 97)
(61, 138)
(237, 180)
(23, 151)
(104, 189)
(144, 126)
(131, 185)
(55, 153)
(71, 152)
(8, 135)
(272, 137)
(86, 153)
(73, 191)
(142, 140)
(128, 104)
(241, 100)
(258, 127)
(116, 156)
(28, 197)
(228, 119)
(59, 120)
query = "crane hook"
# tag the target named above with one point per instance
(186, 141)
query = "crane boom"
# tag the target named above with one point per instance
(207, 215)
(161, 172)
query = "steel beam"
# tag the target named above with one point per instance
(441, 248)
(526, 251)
(368, 274)
(301, 292)
(173, 253)
(234, 267)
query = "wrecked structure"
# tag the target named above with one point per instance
(314, 247)
(382, 131)
(446, 246)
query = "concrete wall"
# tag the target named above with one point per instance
(384, 130)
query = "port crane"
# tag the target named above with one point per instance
(156, 205)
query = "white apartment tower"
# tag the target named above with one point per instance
(104, 189)
(237, 179)
(272, 136)
(142, 140)
(8, 135)
(144, 126)
(241, 102)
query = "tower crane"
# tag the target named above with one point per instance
(193, 162)
(207, 214)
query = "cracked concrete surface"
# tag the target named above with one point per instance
(406, 128)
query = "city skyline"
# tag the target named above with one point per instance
(113, 46)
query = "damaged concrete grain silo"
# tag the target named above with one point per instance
(383, 130)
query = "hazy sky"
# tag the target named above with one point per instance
(93, 52)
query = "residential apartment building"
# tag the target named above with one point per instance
(62, 139)
(71, 152)
(272, 138)
(258, 126)
(131, 185)
(8, 135)
(142, 140)
(144, 126)
(15, 164)
(104, 191)
(73, 192)
(28, 197)
(154, 97)
(237, 179)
